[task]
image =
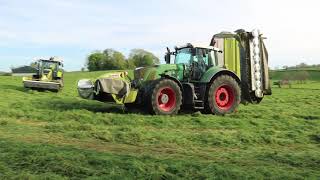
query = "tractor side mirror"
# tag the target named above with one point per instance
(167, 58)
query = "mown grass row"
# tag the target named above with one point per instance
(25, 160)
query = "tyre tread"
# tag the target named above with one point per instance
(157, 86)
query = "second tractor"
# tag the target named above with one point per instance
(48, 76)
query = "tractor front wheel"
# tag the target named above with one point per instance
(166, 97)
(224, 95)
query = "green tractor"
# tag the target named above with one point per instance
(48, 76)
(214, 79)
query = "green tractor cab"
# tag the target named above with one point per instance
(213, 79)
(48, 76)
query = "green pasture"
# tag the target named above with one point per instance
(47, 135)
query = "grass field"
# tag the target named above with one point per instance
(45, 135)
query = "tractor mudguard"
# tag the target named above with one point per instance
(214, 72)
(60, 74)
(174, 79)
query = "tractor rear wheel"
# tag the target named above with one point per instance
(166, 97)
(224, 95)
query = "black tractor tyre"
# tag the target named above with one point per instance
(223, 96)
(256, 100)
(132, 107)
(165, 97)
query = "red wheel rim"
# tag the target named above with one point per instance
(166, 99)
(224, 97)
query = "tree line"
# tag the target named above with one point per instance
(110, 59)
(301, 66)
(24, 69)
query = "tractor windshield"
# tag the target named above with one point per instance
(183, 56)
(49, 65)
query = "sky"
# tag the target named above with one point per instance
(75, 28)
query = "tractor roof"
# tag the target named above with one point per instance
(189, 45)
(52, 59)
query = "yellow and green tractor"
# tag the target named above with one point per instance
(48, 76)
(215, 78)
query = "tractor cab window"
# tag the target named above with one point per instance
(212, 58)
(201, 56)
(202, 59)
(49, 65)
(183, 56)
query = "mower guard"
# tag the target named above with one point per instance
(41, 85)
(114, 85)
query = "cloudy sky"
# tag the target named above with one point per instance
(74, 28)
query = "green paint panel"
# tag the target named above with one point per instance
(210, 73)
(153, 73)
(232, 55)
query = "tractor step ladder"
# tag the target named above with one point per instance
(198, 104)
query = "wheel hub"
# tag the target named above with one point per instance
(224, 97)
(164, 98)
